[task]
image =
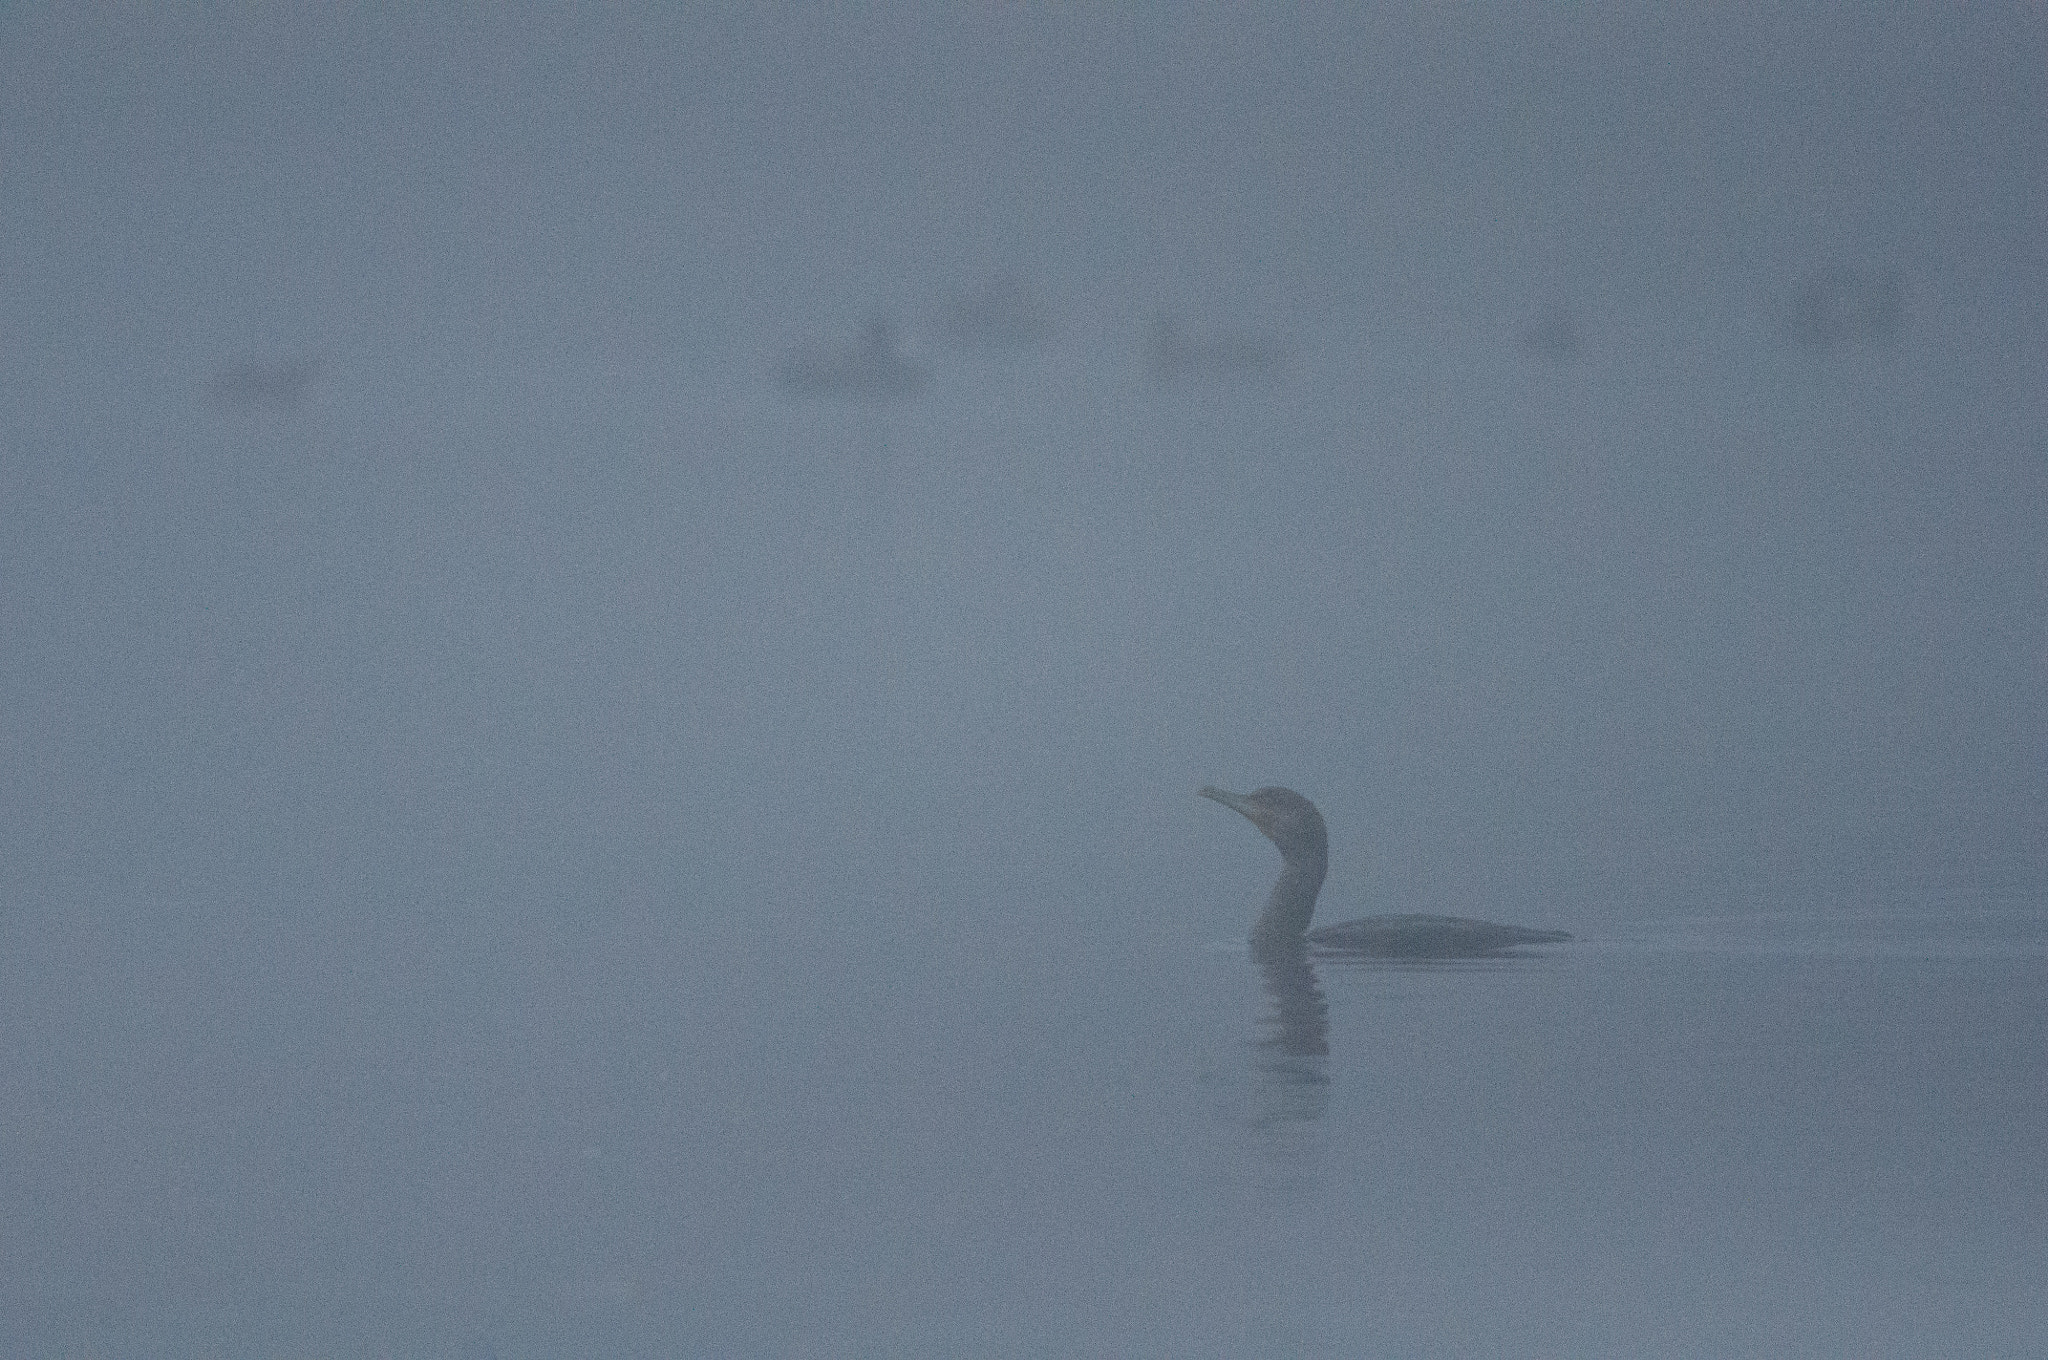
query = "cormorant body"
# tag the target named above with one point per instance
(1294, 825)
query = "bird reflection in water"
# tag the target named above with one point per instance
(1295, 1044)
(1291, 1065)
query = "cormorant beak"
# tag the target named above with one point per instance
(1237, 803)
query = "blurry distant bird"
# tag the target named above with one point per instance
(1843, 307)
(870, 369)
(1172, 354)
(1002, 313)
(1292, 823)
(1554, 333)
(279, 386)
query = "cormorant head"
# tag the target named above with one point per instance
(1289, 820)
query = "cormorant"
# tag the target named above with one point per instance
(1292, 823)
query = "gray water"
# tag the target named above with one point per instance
(608, 627)
(1707, 1142)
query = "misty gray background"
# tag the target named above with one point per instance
(533, 828)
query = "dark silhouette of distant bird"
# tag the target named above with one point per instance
(871, 369)
(1002, 313)
(1846, 307)
(1293, 824)
(278, 386)
(1173, 354)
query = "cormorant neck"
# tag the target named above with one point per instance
(1293, 903)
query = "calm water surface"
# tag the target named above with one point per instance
(1799, 1134)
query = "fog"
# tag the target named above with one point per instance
(609, 622)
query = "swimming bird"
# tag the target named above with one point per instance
(871, 369)
(277, 386)
(1293, 824)
(1225, 356)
